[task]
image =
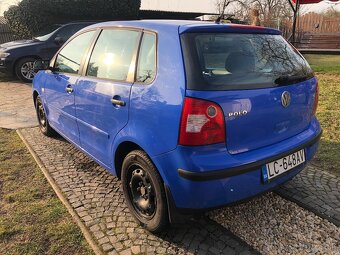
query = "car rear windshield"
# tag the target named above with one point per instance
(228, 61)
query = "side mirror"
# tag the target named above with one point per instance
(41, 65)
(59, 40)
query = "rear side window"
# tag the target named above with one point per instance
(112, 55)
(70, 57)
(223, 61)
(146, 70)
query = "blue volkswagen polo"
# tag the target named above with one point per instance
(189, 115)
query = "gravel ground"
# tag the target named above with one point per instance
(274, 225)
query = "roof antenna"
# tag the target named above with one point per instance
(219, 18)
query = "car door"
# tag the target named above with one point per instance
(103, 93)
(59, 86)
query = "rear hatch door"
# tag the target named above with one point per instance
(264, 86)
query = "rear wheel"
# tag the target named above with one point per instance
(42, 119)
(24, 69)
(144, 191)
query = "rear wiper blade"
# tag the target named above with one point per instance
(289, 79)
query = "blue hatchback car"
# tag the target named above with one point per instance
(190, 115)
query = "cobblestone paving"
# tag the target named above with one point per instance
(98, 200)
(16, 106)
(316, 190)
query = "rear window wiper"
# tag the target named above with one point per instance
(289, 79)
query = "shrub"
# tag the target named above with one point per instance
(30, 17)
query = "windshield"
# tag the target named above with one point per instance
(222, 61)
(47, 33)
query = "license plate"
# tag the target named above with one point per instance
(282, 165)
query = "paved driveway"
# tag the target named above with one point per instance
(16, 106)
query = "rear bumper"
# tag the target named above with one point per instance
(229, 172)
(194, 183)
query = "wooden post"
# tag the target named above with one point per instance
(296, 13)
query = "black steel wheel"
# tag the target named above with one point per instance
(144, 191)
(42, 118)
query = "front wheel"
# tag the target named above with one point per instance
(144, 191)
(24, 69)
(44, 125)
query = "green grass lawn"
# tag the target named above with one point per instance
(32, 219)
(324, 63)
(328, 157)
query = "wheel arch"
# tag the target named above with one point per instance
(123, 149)
(35, 95)
(121, 152)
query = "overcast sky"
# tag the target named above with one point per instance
(182, 5)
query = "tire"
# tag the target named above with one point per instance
(144, 192)
(24, 69)
(44, 125)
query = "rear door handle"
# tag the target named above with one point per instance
(118, 102)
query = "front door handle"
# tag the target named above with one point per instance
(118, 102)
(69, 89)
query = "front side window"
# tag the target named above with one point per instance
(146, 70)
(66, 32)
(70, 57)
(222, 61)
(112, 56)
(47, 33)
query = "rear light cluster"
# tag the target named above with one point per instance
(316, 100)
(202, 123)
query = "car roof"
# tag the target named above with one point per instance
(187, 26)
(76, 23)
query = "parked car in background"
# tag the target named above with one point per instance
(17, 57)
(190, 115)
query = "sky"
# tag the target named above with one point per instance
(183, 5)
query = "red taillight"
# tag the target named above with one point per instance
(316, 100)
(202, 123)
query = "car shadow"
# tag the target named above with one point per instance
(8, 78)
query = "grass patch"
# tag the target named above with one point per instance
(328, 156)
(324, 63)
(32, 219)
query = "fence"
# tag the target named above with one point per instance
(6, 35)
(312, 23)
(316, 23)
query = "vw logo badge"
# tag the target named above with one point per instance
(285, 99)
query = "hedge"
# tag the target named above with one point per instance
(30, 17)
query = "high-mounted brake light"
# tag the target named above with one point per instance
(202, 123)
(246, 26)
(316, 99)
